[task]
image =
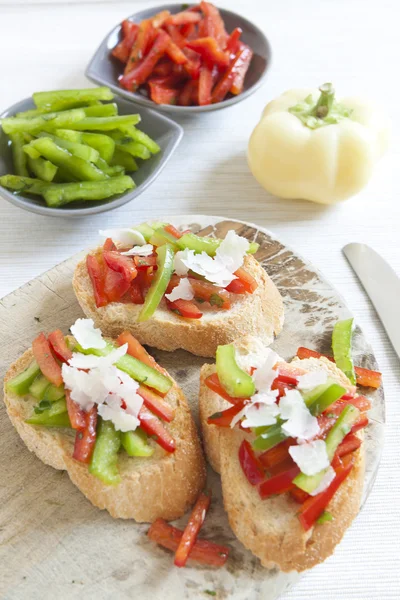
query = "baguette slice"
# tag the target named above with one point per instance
(270, 528)
(163, 485)
(259, 314)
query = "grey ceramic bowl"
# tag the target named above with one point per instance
(163, 130)
(105, 69)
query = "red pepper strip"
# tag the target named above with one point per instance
(315, 505)
(96, 274)
(163, 68)
(213, 383)
(278, 484)
(215, 24)
(361, 422)
(232, 43)
(224, 418)
(278, 454)
(173, 231)
(142, 262)
(176, 36)
(189, 31)
(185, 308)
(281, 387)
(163, 95)
(159, 19)
(115, 285)
(251, 465)
(247, 280)
(136, 350)
(138, 50)
(205, 85)
(241, 70)
(183, 17)
(75, 412)
(121, 264)
(211, 293)
(325, 424)
(192, 529)
(58, 345)
(154, 427)
(209, 50)
(192, 67)
(287, 379)
(203, 551)
(350, 443)
(85, 438)
(156, 404)
(237, 287)
(109, 245)
(288, 372)
(299, 495)
(285, 465)
(365, 377)
(46, 361)
(135, 292)
(140, 73)
(225, 83)
(123, 49)
(360, 402)
(176, 54)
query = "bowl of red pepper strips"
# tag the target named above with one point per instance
(183, 58)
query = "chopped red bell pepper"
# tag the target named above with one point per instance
(192, 529)
(281, 387)
(140, 45)
(251, 465)
(209, 50)
(192, 67)
(115, 285)
(96, 274)
(350, 443)
(364, 377)
(315, 505)
(184, 17)
(224, 418)
(185, 96)
(59, 346)
(176, 36)
(299, 495)
(236, 287)
(161, 94)
(163, 68)
(241, 69)
(361, 422)
(278, 484)
(214, 23)
(121, 264)
(203, 551)
(129, 33)
(143, 69)
(232, 43)
(85, 438)
(213, 294)
(185, 308)
(225, 83)
(173, 231)
(109, 245)
(156, 404)
(142, 262)
(136, 350)
(154, 427)
(135, 293)
(325, 424)
(46, 361)
(213, 383)
(281, 467)
(159, 19)
(176, 54)
(189, 31)
(205, 85)
(246, 280)
(277, 454)
(286, 379)
(360, 402)
(75, 412)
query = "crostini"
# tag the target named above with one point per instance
(287, 441)
(178, 290)
(110, 416)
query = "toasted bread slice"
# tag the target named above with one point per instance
(270, 528)
(259, 314)
(163, 485)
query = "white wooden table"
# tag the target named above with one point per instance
(353, 43)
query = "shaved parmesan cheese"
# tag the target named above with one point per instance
(90, 361)
(121, 419)
(259, 414)
(265, 374)
(232, 250)
(300, 423)
(326, 481)
(311, 380)
(311, 457)
(87, 335)
(237, 417)
(183, 291)
(145, 250)
(180, 267)
(254, 356)
(125, 236)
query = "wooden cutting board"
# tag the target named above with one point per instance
(55, 544)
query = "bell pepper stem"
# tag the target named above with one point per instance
(325, 101)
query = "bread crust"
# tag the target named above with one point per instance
(259, 314)
(164, 485)
(270, 528)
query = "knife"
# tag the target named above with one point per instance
(382, 285)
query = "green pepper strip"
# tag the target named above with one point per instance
(341, 346)
(206, 244)
(19, 156)
(233, 379)
(21, 383)
(165, 268)
(104, 461)
(136, 443)
(67, 97)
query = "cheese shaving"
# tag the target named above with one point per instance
(329, 476)
(300, 423)
(311, 457)
(311, 380)
(87, 335)
(259, 414)
(183, 291)
(124, 236)
(145, 250)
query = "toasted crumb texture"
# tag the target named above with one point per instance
(270, 528)
(164, 485)
(260, 314)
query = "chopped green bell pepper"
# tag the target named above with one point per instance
(325, 517)
(341, 346)
(340, 429)
(206, 244)
(75, 148)
(101, 110)
(39, 386)
(23, 185)
(54, 393)
(19, 156)
(50, 121)
(136, 443)
(139, 136)
(124, 159)
(145, 229)
(66, 98)
(268, 437)
(21, 383)
(233, 379)
(42, 168)
(55, 416)
(160, 237)
(102, 123)
(165, 268)
(104, 461)
(58, 194)
(326, 398)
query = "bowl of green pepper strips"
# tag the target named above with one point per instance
(80, 152)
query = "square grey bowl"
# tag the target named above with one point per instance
(163, 130)
(104, 69)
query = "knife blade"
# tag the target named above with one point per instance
(382, 285)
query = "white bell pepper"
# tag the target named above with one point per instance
(307, 145)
